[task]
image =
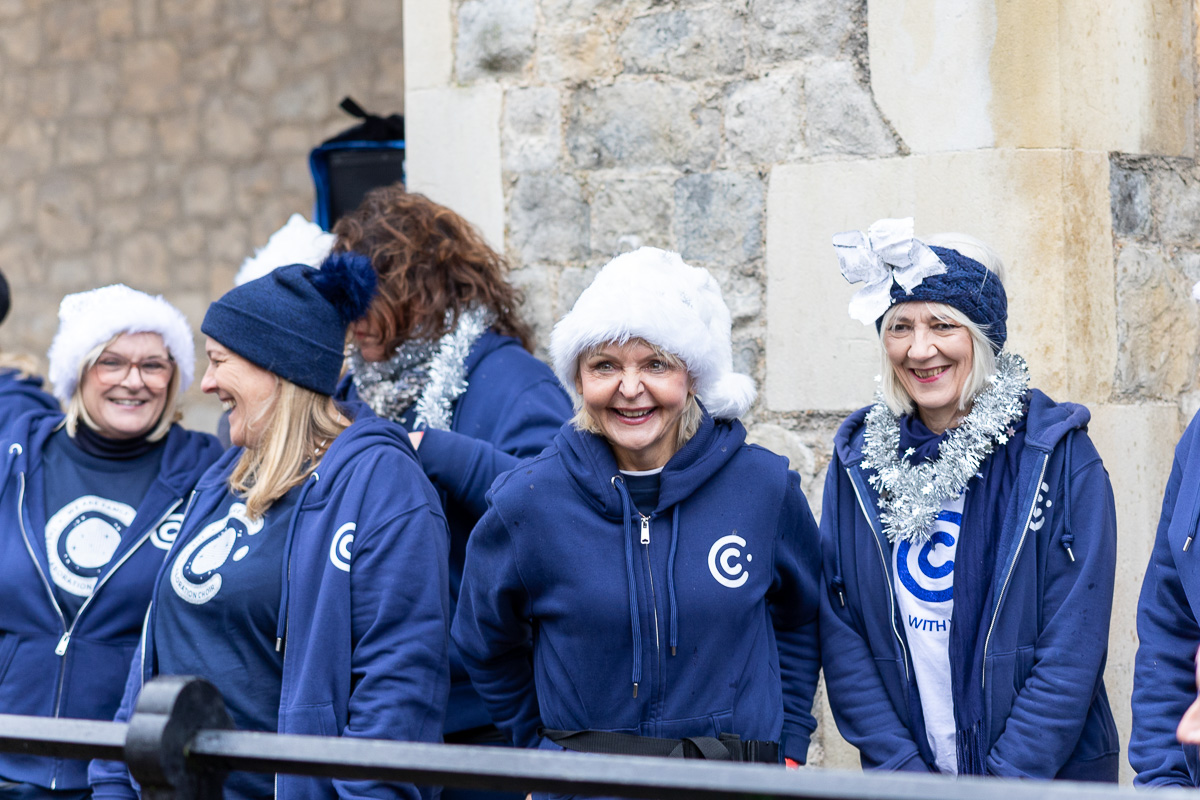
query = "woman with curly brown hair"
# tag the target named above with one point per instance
(444, 352)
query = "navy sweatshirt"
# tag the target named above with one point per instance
(1047, 714)
(41, 648)
(707, 606)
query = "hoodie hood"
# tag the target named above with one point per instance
(591, 465)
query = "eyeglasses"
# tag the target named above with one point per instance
(112, 369)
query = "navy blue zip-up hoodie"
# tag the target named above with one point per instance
(1164, 677)
(19, 395)
(364, 617)
(511, 410)
(52, 668)
(697, 620)
(1046, 711)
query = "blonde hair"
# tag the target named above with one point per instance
(983, 360)
(76, 410)
(689, 422)
(26, 366)
(300, 425)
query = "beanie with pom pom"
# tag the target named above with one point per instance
(652, 294)
(292, 322)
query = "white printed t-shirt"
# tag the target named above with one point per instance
(924, 578)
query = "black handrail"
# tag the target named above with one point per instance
(179, 745)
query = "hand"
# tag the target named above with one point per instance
(1188, 731)
(415, 438)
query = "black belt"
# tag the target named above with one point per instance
(726, 747)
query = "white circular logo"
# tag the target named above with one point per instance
(721, 561)
(168, 530)
(339, 549)
(194, 572)
(81, 539)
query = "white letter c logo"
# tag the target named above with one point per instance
(732, 575)
(339, 549)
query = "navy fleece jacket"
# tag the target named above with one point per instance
(708, 606)
(511, 410)
(1047, 714)
(364, 613)
(1164, 678)
(88, 658)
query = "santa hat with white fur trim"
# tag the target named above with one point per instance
(92, 318)
(652, 294)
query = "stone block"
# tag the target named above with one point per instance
(71, 274)
(764, 119)
(571, 283)
(1047, 213)
(548, 219)
(454, 153)
(115, 20)
(642, 123)
(306, 98)
(575, 55)
(1157, 324)
(206, 192)
(66, 211)
(1130, 190)
(179, 135)
(689, 43)
(27, 149)
(719, 216)
(1175, 203)
(213, 65)
(495, 37)
(428, 49)
(185, 240)
(786, 443)
(229, 242)
(71, 32)
(287, 18)
(538, 309)
(376, 16)
(631, 211)
(232, 125)
(259, 68)
(951, 76)
(841, 116)
(744, 296)
(1137, 444)
(322, 47)
(49, 93)
(96, 90)
(123, 180)
(117, 219)
(130, 136)
(254, 184)
(574, 12)
(785, 30)
(21, 42)
(532, 129)
(81, 143)
(150, 73)
(142, 262)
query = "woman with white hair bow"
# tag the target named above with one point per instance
(90, 502)
(648, 584)
(968, 536)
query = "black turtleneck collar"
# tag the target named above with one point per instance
(94, 444)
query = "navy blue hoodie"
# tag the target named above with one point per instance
(1164, 677)
(707, 607)
(364, 616)
(18, 395)
(511, 410)
(1046, 711)
(51, 668)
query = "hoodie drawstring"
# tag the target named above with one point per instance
(674, 626)
(618, 483)
(281, 624)
(1068, 537)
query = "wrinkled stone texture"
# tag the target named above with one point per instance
(158, 142)
(690, 43)
(842, 116)
(719, 217)
(494, 37)
(764, 119)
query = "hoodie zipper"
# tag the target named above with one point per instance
(645, 541)
(1012, 565)
(886, 571)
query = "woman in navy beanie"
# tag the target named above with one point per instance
(308, 580)
(968, 536)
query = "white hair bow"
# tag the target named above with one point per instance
(883, 252)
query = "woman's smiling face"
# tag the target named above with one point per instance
(637, 399)
(932, 356)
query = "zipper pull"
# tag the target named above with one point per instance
(635, 690)
(1188, 541)
(645, 529)
(61, 648)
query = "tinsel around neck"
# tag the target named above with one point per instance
(911, 496)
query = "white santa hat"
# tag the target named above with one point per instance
(89, 319)
(652, 294)
(297, 242)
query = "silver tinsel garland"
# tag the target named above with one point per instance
(447, 370)
(910, 497)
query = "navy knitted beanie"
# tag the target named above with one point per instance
(966, 285)
(292, 321)
(5, 298)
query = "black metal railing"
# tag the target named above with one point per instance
(179, 745)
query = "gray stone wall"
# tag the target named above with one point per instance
(157, 142)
